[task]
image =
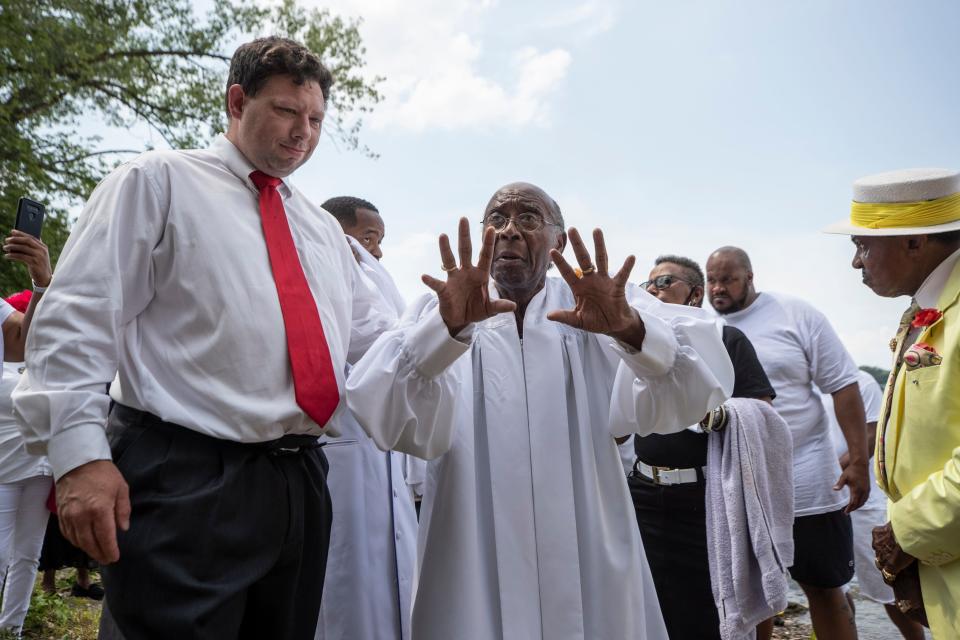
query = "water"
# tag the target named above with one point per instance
(872, 620)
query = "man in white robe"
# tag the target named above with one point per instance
(372, 559)
(527, 529)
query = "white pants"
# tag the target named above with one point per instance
(23, 521)
(868, 576)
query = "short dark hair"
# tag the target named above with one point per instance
(255, 62)
(558, 215)
(693, 269)
(344, 209)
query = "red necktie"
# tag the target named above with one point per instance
(314, 380)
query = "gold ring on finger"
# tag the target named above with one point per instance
(577, 271)
(446, 268)
(591, 269)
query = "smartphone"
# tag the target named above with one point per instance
(29, 217)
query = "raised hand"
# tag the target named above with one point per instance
(601, 301)
(31, 251)
(464, 297)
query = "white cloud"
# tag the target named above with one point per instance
(439, 72)
(589, 19)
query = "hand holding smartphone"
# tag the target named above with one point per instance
(30, 215)
(24, 244)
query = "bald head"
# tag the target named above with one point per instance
(736, 254)
(531, 193)
(730, 280)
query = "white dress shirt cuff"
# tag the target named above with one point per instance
(77, 446)
(659, 351)
(431, 348)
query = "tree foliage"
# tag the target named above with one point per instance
(126, 63)
(880, 375)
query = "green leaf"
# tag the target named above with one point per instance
(137, 62)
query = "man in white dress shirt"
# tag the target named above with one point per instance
(373, 542)
(227, 306)
(518, 387)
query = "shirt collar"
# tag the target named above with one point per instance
(929, 292)
(239, 166)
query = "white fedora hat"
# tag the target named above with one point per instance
(903, 203)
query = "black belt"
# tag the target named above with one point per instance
(290, 444)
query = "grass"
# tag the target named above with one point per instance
(60, 616)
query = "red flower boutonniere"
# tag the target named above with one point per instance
(925, 318)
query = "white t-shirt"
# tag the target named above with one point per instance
(15, 463)
(800, 350)
(5, 311)
(872, 396)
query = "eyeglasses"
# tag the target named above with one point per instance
(664, 282)
(528, 222)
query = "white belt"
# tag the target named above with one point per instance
(666, 475)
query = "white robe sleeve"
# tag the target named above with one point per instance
(682, 372)
(371, 316)
(403, 391)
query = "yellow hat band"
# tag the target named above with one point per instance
(891, 215)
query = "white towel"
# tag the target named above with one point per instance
(749, 516)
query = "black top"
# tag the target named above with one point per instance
(687, 449)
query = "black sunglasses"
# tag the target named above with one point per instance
(664, 282)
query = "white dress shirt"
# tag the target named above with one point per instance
(929, 292)
(166, 284)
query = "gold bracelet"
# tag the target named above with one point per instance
(715, 420)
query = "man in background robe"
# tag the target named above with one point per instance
(373, 553)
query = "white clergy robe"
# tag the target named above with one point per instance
(371, 562)
(527, 529)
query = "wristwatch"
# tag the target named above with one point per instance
(716, 420)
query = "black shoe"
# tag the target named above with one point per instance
(94, 591)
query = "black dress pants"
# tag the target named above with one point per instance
(673, 527)
(226, 540)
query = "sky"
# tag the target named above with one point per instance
(676, 127)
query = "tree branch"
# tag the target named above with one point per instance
(150, 53)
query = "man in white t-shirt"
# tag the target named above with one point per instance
(799, 351)
(872, 514)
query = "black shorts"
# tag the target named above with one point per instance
(823, 550)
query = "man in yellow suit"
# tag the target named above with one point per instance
(905, 227)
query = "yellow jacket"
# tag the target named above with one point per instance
(921, 464)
